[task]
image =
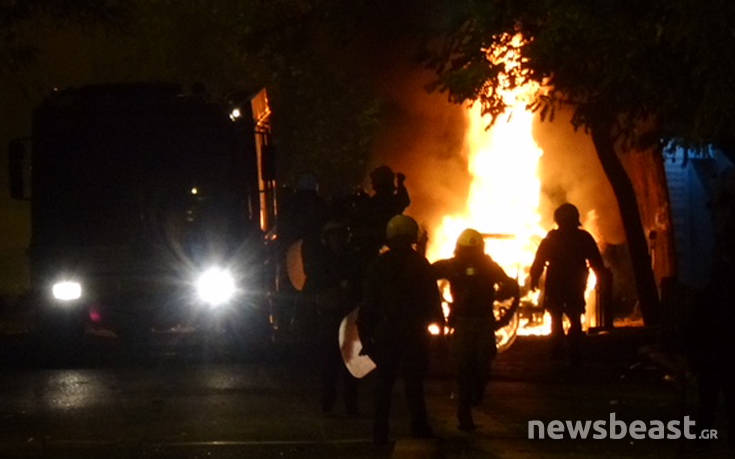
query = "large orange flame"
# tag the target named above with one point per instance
(504, 195)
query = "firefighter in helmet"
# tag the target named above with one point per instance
(400, 301)
(332, 283)
(475, 281)
(565, 254)
(390, 198)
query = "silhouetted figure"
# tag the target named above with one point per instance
(473, 278)
(302, 218)
(304, 214)
(401, 300)
(565, 253)
(331, 282)
(353, 208)
(710, 327)
(713, 351)
(390, 198)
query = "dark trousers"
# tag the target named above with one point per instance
(474, 348)
(413, 380)
(714, 380)
(574, 338)
(334, 371)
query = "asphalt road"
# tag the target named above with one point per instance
(184, 402)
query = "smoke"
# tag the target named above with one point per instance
(423, 137)
(571, 172)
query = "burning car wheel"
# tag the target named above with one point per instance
(506, 336)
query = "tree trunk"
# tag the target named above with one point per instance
(645, 168)
(631, 219)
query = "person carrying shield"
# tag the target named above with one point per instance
(332, 283)
(400, 300)
(475, 281)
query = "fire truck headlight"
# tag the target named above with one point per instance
(67, 290)
(215, 286)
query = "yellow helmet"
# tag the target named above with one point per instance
(402, 226)
(470, 238)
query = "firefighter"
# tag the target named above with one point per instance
(331, 283)
(400, 301)
(390, 198)
(475, 280)
(304, 214)
(565, 253)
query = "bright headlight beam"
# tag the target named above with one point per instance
(215, 286)
(67, 290)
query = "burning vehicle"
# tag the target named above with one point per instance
(149, 211)
(504, 201)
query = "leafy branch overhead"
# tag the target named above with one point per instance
(17, 50)
(666, 62)
(309, 53)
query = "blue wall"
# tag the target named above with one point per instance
(691, 183)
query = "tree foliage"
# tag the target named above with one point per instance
(306, 52)
(666, 62)
(635, 73)
(17, 50)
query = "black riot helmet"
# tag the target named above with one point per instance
(567, 216)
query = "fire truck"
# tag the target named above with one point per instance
(151, 209)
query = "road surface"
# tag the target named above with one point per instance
(178, 403)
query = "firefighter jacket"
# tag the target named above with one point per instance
(565, 254)
(374, 214)
(472, 282)
(400, 300)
